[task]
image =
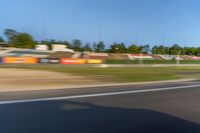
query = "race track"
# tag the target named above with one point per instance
(156, 108)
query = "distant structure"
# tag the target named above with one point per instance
(3, 44)
(55, 48)
(41, 47)
(61, 47)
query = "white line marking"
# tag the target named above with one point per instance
(95, 95)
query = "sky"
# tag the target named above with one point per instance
(130, 21)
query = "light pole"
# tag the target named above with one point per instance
(178, 58)
(140, 58)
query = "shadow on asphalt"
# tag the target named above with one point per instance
(78, 117)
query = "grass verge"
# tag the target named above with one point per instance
(126, 74)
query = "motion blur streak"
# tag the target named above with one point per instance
(95, 95)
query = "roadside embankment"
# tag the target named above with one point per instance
(44, 78)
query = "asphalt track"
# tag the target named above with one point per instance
(154, 108)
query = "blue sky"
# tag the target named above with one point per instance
(129, 21)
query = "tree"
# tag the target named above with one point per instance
(19, 40)
(144, 49)
(155, 50)
(94, 46)
(24, 40)
(76, 45)
(1, 39)
(87, 47)
(100, 47)
(160, 49)
(133, 49)
(118, 48)
(66, 43)
(190, 51)
(11, 36)
(175, 50)
(198, 51)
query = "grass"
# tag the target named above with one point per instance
(151, 62)
(126, 74)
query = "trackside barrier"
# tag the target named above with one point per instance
(72, 61)
(21, 60)
(94, 61)
(54, 60)
(1, 60)
(44, 60)
(49, 60)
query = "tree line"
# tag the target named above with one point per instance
(25, 40)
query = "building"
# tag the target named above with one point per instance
(61, 47)
(3, 44)
(41, 47)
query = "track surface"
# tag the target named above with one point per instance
(163, 111)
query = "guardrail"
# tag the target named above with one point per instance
(79, 61)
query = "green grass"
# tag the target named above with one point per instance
(126, 74)
(151, 62)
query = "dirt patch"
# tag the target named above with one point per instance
(38, 79)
